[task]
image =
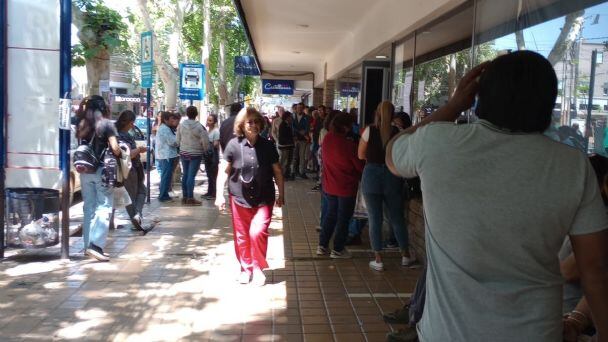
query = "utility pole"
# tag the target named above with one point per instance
(65, 85)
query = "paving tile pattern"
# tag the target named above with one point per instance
(178, 284)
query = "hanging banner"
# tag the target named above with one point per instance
(192, 81)
(278, 87)
(147, 60)
(348, 89)
(245, 65)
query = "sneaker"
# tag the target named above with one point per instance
(344, 254)
(376, 266)
(390, 245)
(168, 199)
(97, 253)
(399, 316)
(193, 202)
(316, 188)
(322, 250)
(244, 278)
(259, 278)
(136, 221)
(403, 335)
(405, 261)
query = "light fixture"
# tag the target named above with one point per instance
(425, 32)
(297, 52)
(381, 56)
(303, 25)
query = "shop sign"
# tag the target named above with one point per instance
(245, 65)
(278, 87)
(192, 81)
(348, 89)
(147, 60)
(127, 98)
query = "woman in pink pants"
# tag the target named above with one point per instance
(251, 166)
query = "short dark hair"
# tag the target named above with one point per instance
(191, 112)
(165, 116)
(235, 108)
(341, 123)
(517, 91)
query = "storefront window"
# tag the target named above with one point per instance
(443, 56)
(568, 34)
(403, 75)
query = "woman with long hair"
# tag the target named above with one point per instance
(193, 142)
(97, 130)
(166, 154)
(381, 189)
(212, 160)
(134, 183)
(341, 174)
(251, 163)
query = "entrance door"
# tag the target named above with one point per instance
(374, 89)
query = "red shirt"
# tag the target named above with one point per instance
(341, 167)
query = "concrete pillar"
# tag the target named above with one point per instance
(328, 93)
(317, 97)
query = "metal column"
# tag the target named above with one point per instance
(3, 107)
(65, 85)
(590, 99)
(148, 154)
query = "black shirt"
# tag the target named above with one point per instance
(227, 131)
(104, 129)
(251, 179)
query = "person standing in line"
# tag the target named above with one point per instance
(212, 157)
(301, 127)
(341, 174)
(166, 155)
(276, 122)
(252, 163)
(134, 183)
(96, 129)
(494, 219)
(381, 189)
(193, 142)
(285, 144)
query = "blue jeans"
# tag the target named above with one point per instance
(190, 168)
(339, 212)
(166, 167)
(355, 226)
(381, 189)
(323, 206)
(97, 206)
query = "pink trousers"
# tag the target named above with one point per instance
(251, 235)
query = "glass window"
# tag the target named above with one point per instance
(443, 56)
(566, 33)
(403, 75)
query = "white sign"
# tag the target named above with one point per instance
(104, 86)
(191, 78)
(64, 111)
(407, 91)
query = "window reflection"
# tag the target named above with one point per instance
(567, 34)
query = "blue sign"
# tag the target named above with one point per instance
(349, 89)
(192, 81)
(147, 60)
(278, 87)
(245, 65)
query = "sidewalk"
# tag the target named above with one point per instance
(178, 283)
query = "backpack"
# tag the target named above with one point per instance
(109, 172)
(85, 159)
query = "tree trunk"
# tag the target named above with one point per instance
(98, 69)
(205, 51)
(167, 73)
(452, 77)
(521, 41)
(223, 87)
(572, 28)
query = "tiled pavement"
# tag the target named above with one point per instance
(178, 283)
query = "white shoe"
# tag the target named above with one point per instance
(405, 261)
(345, 254)
(259, 278)
(322, 250)
(376, 266)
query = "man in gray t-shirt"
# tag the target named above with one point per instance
(499, 199)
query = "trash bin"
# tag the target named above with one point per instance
(32, 217)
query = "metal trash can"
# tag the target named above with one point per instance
(32, 217)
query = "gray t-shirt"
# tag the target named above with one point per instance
(498, 206)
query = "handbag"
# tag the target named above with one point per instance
(121, 198)
(360, 207)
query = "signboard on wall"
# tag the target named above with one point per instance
(348, 89)
(192, 81)
(147, 60)
(278, 87)
(245, 65)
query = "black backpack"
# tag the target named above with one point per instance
(85, 159)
